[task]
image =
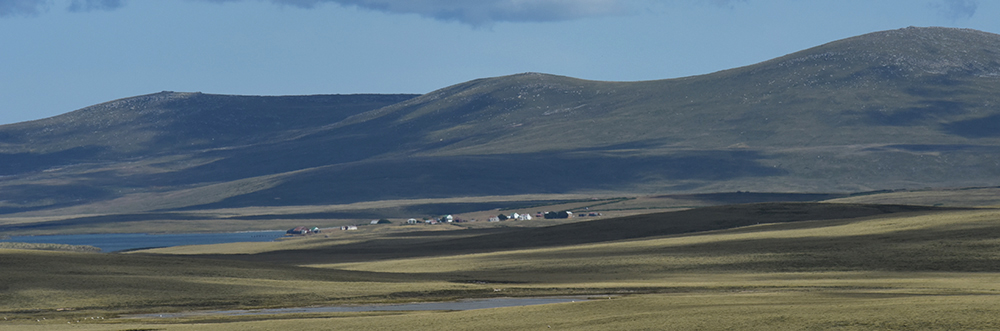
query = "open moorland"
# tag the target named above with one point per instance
(759, 266)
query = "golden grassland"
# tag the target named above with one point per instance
(963, 197)
(742, 309)
(917, 270)
(914, 241)
(788, 310)
(47, 281)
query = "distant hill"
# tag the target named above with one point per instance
(150, 143)
(908, 108)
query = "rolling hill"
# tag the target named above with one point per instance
(908, 108)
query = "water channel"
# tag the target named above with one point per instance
(113, 242)
(467, 304)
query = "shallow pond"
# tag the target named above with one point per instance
(113, 242)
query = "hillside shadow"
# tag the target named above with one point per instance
(535, 173)
(915, 115)
(17, 163)
(983, 127)
(30, 197)
(937, 86)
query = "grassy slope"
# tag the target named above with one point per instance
(872, 112)
(139, 148)
(171, 121)
(963, 197)
(41, 281)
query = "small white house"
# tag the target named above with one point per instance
(412, 221)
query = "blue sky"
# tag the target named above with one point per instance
(57, 56)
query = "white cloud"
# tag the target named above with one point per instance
(88, 5)
(22, 7)
(35, 7)
(483, 12)
(471, 12)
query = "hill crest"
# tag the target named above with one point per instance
(906, 108)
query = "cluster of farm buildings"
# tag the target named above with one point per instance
(302, 230)
(503, 217)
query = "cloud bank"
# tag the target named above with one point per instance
(471, 12)
(485, 12)
(35, 7)
(22, 7)
(482, 12)
(88, 5)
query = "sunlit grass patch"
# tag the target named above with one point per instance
(722, 310)
(941, 241)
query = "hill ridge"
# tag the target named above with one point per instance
(907, 108)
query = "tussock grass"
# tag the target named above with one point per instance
(49, 247)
